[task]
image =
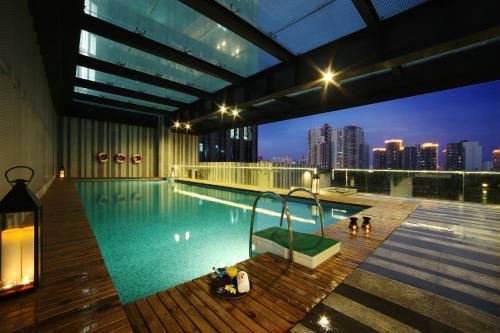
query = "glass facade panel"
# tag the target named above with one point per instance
(300, 25)
(389, 8)
(123, 99)
(174, 24)
(117, 53)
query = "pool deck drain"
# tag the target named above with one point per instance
(281, 297)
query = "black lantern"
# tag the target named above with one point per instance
(353, 225)
(315, 184)
(20, 220)
(61, 173)
(366, 223)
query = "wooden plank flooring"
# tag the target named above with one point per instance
(280, 297)
(76, 293)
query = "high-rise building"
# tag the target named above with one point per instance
(319, 147)
(394, 154)
(496, 159)
(234, 145)
(281, 160)
(313, 142)
(473, 155)
(410, 158)
(427, 156)
(364, 158)
(337, 141)
(354, 138)
(454, 156)
(325, 148)
(379, 158)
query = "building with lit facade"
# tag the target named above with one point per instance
(454, 157)
(337, 140)
(427, 156)
(234, 145)
(410, 158)
(354, 138)
(379, 158)
(394, 154)
(496, 159)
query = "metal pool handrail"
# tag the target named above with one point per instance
(303, 189)
(283, 210)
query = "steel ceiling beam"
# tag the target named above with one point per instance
(127, 92)
(368, 13)
(225, 17)
(137, 41)
(433, 28)
(425, 77)
(104, 66)
(119, 104)
(103, 113)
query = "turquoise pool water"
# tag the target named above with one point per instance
(156, 234)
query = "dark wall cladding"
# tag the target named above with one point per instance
(83, 139)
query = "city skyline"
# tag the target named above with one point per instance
(468, 113)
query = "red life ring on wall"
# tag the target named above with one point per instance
(103, 157)
(136, 158)
(120, 158)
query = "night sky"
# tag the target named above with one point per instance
(468, 113)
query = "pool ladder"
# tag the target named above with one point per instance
(284, 210)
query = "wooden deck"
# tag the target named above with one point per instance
(76, 293)
(281, 297)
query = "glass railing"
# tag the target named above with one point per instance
(264, 174)
(469, 186)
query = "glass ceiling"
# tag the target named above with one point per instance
(118, 81)
(300, 25)
(123, 55)
(389, 8)
(174, 24)
(123, 99)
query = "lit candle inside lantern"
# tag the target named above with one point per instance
(28, 255)
(11, 257)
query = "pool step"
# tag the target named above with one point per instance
(309, 250)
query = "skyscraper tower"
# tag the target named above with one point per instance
(319, 147)
(337, 143)
(394, 154)
(410, 158)
(325, 147)
(354, 138)
(454, 157)
(473, 155)
(427, 156)
(379, 158)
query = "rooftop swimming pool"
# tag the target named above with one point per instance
(156, 234)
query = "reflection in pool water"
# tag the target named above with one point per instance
(154, 234)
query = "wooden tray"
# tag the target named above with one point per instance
(221, 282)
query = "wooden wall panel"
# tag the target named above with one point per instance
(83, 139)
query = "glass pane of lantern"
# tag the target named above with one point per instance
(18, 252)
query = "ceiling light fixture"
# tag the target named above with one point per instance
(187, 126)
(223, 109)
(235, 112)
(177, 124)
(328, 76)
